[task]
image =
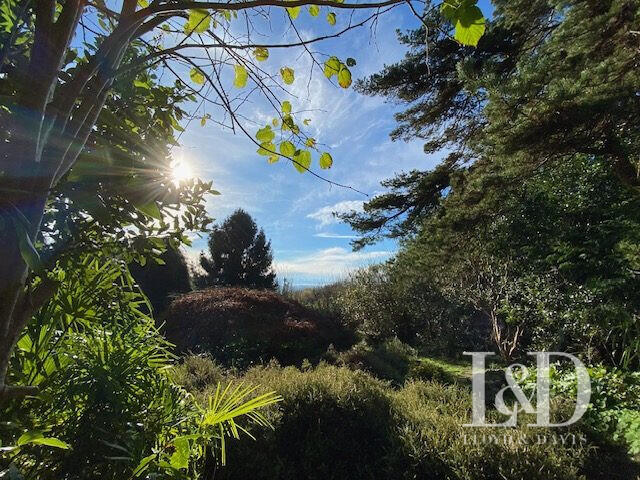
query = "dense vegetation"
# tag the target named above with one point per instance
(335, 423)
(526, 236)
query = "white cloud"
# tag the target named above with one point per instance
(329, 263)
(333, 235)
(325, 215)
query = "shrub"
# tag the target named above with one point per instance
(390, 300)
(335, 423)
(240, 327)
(614, 409)
(389, 360)
(160, 282)
(105, 404)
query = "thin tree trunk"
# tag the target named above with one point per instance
(26, 196)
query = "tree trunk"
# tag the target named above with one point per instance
(18, 196)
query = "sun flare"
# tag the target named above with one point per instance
(181, 171)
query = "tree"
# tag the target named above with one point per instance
(162, 277)
(57, 95)
(552, 263)
(240, 255)
(547, 82)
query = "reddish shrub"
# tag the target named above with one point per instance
(239, 327)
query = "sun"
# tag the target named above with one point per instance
(181, 171)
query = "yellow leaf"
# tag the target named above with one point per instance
(241, 75)
(326, 161)
(196, 76)
(261, 54)
(287, 75)
(199, 21)
(344, 77)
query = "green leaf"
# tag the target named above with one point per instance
(331, 18)
(150, 209)
(344, 77)
(306, 121)
(469, 25)
(241, 75)
(180, 458)
(142, 84)
(351, 62)
(314, 10)
(52, 442)
(265, 134)
(293, 12)
(143, 465)
(448, 9)
(29, 437)
(302, 161)
(261, 54)
(275, 122)
(199, 21)
(143, 3)
(36, 437)
(274, 158)
(311, 142)
(286, 107)
(28, 251)
(326, 161)
(287, 149)
(196, 76)
(266, 149)
(287, 75)
(331, 67)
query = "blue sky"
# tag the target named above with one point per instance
(310, 246)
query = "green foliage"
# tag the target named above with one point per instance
(614, 408)
(335, 423)
(391, 300)
(105, 406)
(467, 19)
(162, 278)
(240, 254)
(389, 360)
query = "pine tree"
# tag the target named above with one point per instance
(548, 82)
(240, 255)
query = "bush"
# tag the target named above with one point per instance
(240, 327)
(390, 300)
(324, 299)
(335, 423)
(614, 409)
(105, 403)
(389, 360)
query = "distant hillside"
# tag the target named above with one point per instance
(241, 327)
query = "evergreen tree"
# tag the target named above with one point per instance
(548, 81)
(240, 255)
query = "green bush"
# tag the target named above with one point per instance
(390, 300)
(105, 403)
(335, 423)
(614, 409)
(389, 360)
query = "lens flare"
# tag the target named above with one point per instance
(181, 171)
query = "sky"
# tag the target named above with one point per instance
(310, 246)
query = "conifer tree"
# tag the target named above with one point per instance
(240, 255)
